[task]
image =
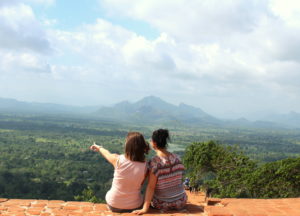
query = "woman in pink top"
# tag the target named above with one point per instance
(129, 174)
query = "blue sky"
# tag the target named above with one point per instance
(72, 13)
(230, 58)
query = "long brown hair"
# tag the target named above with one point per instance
(136, 147)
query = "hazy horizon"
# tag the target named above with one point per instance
(259, 115)
(231, 59)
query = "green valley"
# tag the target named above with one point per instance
(47, 156)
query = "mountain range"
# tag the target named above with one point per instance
(150, 110)
(154, 110)
(8, 105)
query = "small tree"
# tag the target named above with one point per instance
(223, 169)
(89, 196)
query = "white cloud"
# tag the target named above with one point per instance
(49, 22)
(20, 30)
(220, 55)
(288, 10)
(223, 48)
(194, 21)
(16, 63)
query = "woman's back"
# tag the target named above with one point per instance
(128, 178)
(169, 172)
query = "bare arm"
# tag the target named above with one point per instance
(146, 176)
(111, 158)
(149, 194)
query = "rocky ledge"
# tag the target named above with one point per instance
(197, 205)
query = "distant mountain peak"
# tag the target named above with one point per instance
(122, 103)
(152, 109)
(155, 102)
(151, 99)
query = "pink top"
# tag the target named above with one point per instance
(125, 192)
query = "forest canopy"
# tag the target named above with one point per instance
(226, 171)
(48, 157)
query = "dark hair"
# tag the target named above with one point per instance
(161, 138)
(136, 147)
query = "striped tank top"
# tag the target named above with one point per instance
(169, 172)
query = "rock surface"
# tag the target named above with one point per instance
(197, 205)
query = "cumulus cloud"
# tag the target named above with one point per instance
(194, 21)
(243, 55)
(24, 45)
(288, 10)
(232, 48)
(19, 29)
(12, 63)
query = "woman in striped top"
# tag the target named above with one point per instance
(165, 189)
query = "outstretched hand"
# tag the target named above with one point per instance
(139, 211)
(94, 147)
